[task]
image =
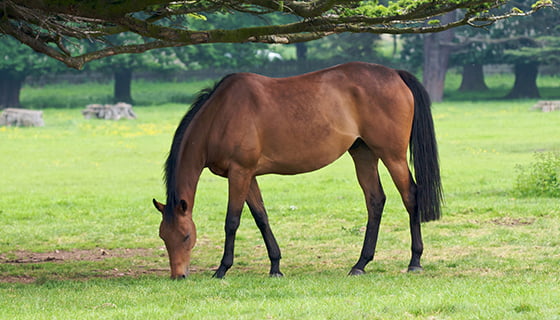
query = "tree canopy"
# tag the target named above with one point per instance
(59, 28)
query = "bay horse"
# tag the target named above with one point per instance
(249, 125)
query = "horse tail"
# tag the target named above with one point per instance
(423, 152)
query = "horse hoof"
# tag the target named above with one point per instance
(276, 274)
(356, 272)
(415, 269)
(219, 274)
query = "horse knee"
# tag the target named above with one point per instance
(232, 224)
(378, 202)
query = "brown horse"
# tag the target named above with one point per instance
(249, 125)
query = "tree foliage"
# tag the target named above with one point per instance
(60, 29)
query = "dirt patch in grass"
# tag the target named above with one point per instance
(76, 255)
(512, 222)
(145, 256)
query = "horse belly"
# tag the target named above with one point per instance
(295, 152)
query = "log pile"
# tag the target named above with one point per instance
(547, 106)
(21, 118)
(109, 111)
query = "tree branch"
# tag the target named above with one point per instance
(41, 23)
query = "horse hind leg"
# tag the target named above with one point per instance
(256, 205)
(368, 177)
(407, 188)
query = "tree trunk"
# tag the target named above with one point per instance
(525, 85)
(436, 59)
(123, 80)
(301, 55)
(10, 88)
(301, 51)
(395, 46)
(473, 78)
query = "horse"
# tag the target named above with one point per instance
(249, 125)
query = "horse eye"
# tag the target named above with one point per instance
(186, 237)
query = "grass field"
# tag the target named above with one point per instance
(76, 198)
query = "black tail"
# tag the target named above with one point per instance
(423, 152)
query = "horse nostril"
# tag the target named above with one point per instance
(183, 276)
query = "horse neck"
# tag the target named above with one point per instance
(192, 162)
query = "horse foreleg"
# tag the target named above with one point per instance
(256, 205)
(368, 177)
(238, 187)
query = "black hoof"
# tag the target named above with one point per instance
(415, 269)
(219, 274)
(356, 272)
(276, 274)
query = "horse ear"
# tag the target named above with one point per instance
(184, 205)
(159, 206)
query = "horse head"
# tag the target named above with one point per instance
(178, 232)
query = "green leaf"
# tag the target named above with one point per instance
(197, 16)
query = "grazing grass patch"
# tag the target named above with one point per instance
(85, 186)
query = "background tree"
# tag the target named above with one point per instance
(51, 26)
(535, 43)
(436, 58)
(16, 63)
(471, 56)
(122, 67)
(526, 44)
(471, 61)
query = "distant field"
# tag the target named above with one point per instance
(145, 93)
(63, 95)
(79, 234)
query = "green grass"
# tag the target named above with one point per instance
(88, 184)
(302, 297)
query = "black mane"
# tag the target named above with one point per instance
(172, 163)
